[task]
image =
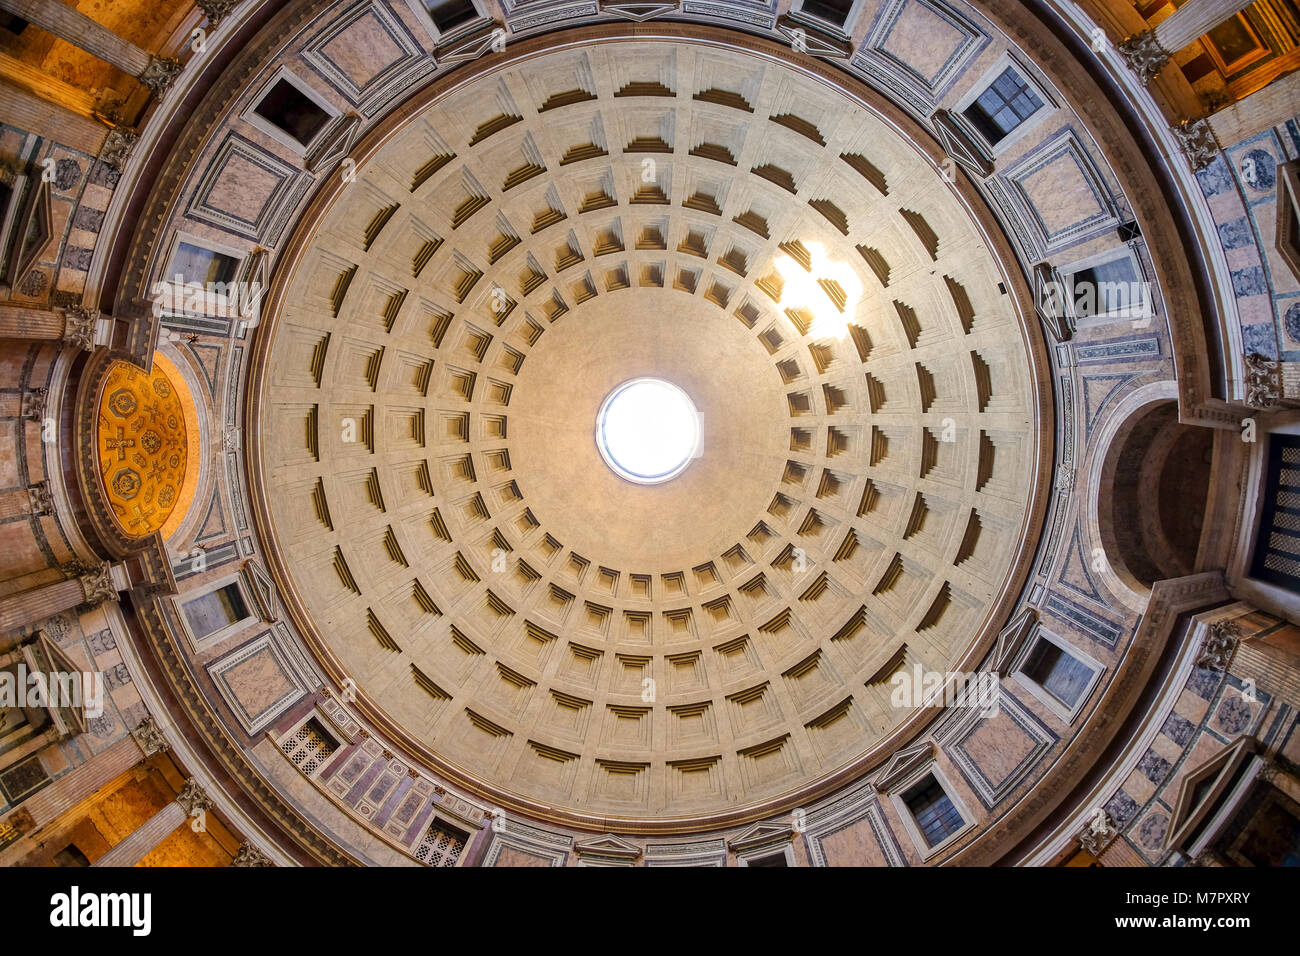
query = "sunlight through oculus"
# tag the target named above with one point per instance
(648, 430)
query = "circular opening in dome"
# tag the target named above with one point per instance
(648, 430)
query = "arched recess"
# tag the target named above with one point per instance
(146, 445)
(1148, 488)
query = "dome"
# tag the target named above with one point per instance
(548, 628)
(704, 433)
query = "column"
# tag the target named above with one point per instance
(42, 603)
(80, 784)
(1195, 19)
(76, 326)
(36, 114)
(157, 828)
(86, 34)
(1267, 651)
(1148, 52)
(1261, 110)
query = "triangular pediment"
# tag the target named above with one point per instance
(960, 145)
(761, 834)
(44, 656)
(806, 38)
(1013, 638)
(903, 764)
(471, 46)
(1049, 299)
(608, 846)
(336, 144)
(639, 11)
(1203, 788)
(35, 229)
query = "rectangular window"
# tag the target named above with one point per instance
(1058, 672)
(199, 264)
(832, 11)
(447, 15)
(933, 811)
(309, 746)
(291, 111)
(441, 845)
(1110, 288)
(1276, 559)
(1003, 107)
(1288, 214)
(209, 613)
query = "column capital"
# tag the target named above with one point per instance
(150, 737)
(1219, 643)
(217, 10)
(1196, 141)
(1144, 55)
(34, 403)
(1263, 382)
(250, 855)
(41, 499)
(192, 797)
(1099, 834)
(98, 584)
(159, 74)
(117, 146)
(79, 326)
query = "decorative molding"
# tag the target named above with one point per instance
(706, 852)
(964, 149)
(806, 38)
(857, 805)
(335, 144)
(490, 36)
(1049, 302)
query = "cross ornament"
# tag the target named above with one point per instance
(120, 444)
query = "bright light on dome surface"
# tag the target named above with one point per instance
(648, 431)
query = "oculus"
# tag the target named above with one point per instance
(648, 431)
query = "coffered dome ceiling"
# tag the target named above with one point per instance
(515, 611)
